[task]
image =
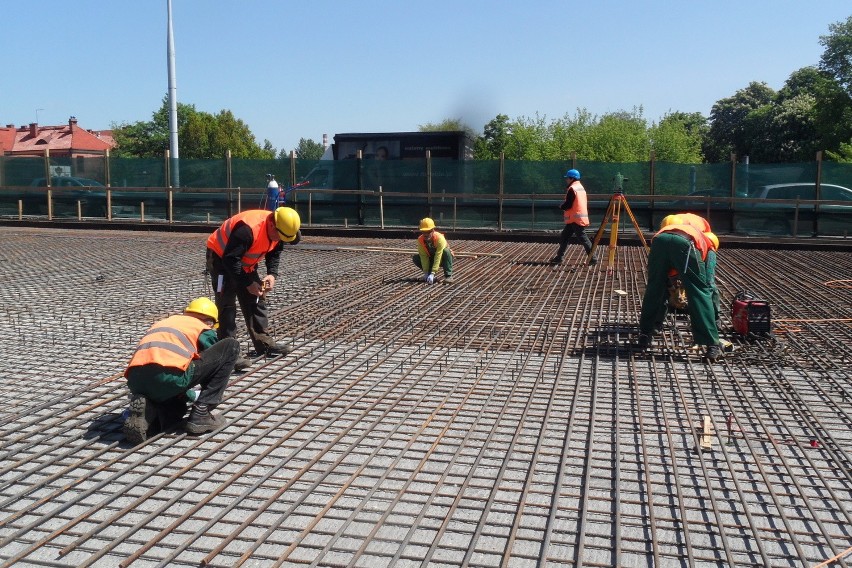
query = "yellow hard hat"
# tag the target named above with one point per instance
(713, 239)
(426, 224)
(287, 222)
(204, 307)
(671, 220)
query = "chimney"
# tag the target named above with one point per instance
(324, 141)
(10, 126)
(72, 121)
(34, 129)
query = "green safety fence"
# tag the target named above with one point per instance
(500, 194)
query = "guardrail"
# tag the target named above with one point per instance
(530, 211)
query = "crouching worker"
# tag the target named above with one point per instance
(433, 253)
(176, 354)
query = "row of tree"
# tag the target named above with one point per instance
(812, 112)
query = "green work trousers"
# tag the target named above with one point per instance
(446, 262)
(672, 250)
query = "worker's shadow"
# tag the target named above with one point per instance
(106, 428)
(402, 281)
(532, 263)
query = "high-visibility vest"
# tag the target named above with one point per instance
(579, 211)
(256, 220)
(430, 245)
(697, 237)
(696, 221)
(172, 342)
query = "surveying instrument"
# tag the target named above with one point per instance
(617, 203)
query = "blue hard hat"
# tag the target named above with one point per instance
(572, 174)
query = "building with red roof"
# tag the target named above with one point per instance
(68, 140)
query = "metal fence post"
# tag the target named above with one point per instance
(817, 192)
(501, 188)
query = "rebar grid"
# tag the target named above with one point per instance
(503, 420)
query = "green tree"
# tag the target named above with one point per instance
(730, 131)
(837, 57)
(200, 135)
(678, 137)
(309, 150)
(494, 139)
(448, 125)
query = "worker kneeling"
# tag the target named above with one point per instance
(433, 253)
(176, 354)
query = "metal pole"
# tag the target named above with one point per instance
(817, 192)
(173, 120)
(381, 208)
(501, 188)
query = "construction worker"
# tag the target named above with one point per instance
(433, 253)
(681, 247)
(576, 214)
(176, 354)
(233, 252)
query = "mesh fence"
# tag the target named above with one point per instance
(524, 195)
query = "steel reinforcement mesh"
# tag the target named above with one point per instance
(502, 420)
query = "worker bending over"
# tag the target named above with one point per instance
(176, 354)
(433, 253)
(234, 251)
(681, 247)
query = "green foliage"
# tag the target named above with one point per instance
(309, 150)
(200, 135)
(730, 131)
(837, 57)
(448, 124)
(843, 154)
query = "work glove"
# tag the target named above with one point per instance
(429, 278)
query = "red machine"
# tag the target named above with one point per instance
(750, 315)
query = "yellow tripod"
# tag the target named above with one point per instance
(617, 202)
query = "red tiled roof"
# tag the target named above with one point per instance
(65, 139)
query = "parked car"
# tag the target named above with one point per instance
(778, 218)
(66, 181)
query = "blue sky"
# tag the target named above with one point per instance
(294, 70)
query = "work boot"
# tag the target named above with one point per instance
(202, 420)
(644, 341)
(593, 261)
(448, 279)
(274, 350)
(171, 411)
(141, 418)
(713, 352)
(242, 363)
(555, 260)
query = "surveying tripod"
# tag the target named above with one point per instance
(613, 214)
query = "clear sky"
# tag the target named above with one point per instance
(299, 69)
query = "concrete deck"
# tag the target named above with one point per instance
(503, 420)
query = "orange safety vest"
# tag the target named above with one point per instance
(701, 242)
(579, 211)
(696, 221)
(430, 250)
(261, 244)
(172, 342)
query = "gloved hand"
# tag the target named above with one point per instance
(429, 278)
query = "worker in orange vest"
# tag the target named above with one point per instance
(576, 214)
(234, 251)
(682, 247)
(176, 354)
(433, 253)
